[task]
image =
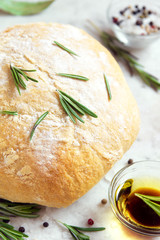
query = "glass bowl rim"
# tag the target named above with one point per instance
(134, 227)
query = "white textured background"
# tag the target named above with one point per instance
(147, 145)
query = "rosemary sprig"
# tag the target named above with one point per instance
(64, 48)
(37, 123)
(113, 44)
(69, 104)
(147, 199)
(10, 209)
(76, 231)
(73, 76)
(18, 75)
(8, 112)
(7, 232)
(108, 87)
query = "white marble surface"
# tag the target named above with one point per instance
(147, 145)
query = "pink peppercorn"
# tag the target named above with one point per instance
(90, 221)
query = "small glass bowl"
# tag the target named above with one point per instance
(144, 170)
(132, 40)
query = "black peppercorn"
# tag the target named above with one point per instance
(149, 12)
(121, 12)
(139, 22)
(45, 224)
(6, 221)
(21, 229)
(130, 161)
(151, 23)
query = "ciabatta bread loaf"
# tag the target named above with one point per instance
(63, 160)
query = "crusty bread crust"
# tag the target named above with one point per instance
(63, 160)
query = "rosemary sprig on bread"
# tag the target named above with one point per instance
(37, 123)
(70, 105)
(19, 75)
(65, 48)
(107, 87)
(73, 76)
(8, 112)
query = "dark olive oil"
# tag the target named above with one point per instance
(134, 209)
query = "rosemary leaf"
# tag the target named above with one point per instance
(37, 123)
(8, 112)
(73, 76)
(82, 107)
(64, 48)
(73, 235)
(113, 44)
(108, 87)
(26, 70)
(91, 229)
(153, 198)
(151, 204)
(32, 79)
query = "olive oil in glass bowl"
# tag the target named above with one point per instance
(141, 177)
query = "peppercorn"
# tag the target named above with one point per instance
(130, 161)
(104, 201)
(121, 12)
(139, 22)
(149, 12)
(21, 229)
(45, 224)
(90, 221)
(115, 19)
(151, 23)
(144, 8)
(6, 220)
(134, 12)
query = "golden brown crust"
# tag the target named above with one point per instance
(63, 160)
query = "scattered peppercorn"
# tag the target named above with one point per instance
(149, 12)
(90, 221)
(104, 201)
(130, 161)
(151, 23)
(21, 229)
(6, 221)
(144, 8)
(45, 224)
(121, 12)
(139, 22)
(115, 19)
